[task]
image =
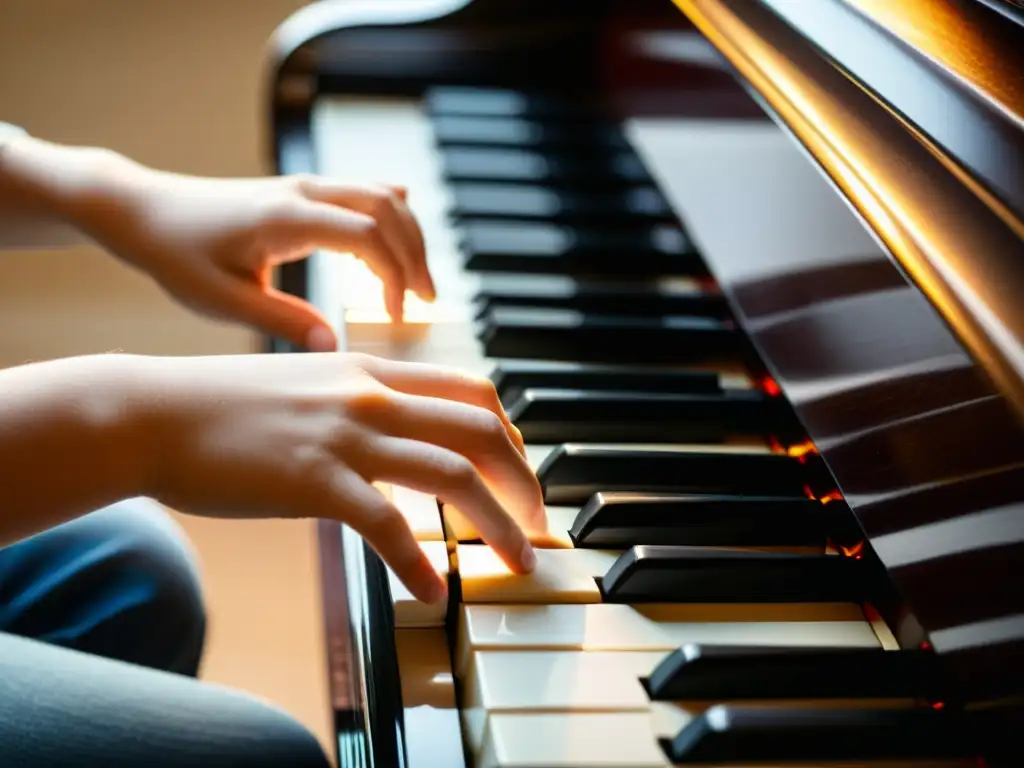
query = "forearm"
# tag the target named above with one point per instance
(46, 189)
(71, 440)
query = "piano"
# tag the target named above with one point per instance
(749, 277)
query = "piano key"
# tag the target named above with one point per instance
(504, 102)
(611, 627)
(410, 612)
(780, 672)
(419, 509)
(621, 740)
(494, 201)
(523, 166)
(561, 576)
(740, 734)
(679, 296)
(560, 740)
(431, 723)
(552, 334)
(459, 528)
(524, 681)
(591, 138)
(510, 377)
(652, 574)
(539, 453)
(623, 520)
(553, 415)
(572, 473)
(545, 248)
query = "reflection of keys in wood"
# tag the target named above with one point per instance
(433, 736)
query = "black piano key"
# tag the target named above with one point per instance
(502, 102)
(552, 334)
(545, 248)
(608, 297)
(587, 138)
(572, 473)
(622, 520)
(742, 734)
(568, 415)
(719, 673)
(511, 377)
(639, 206)
(664, 574)
(520, 166)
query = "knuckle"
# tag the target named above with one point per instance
(490, 428)
(380, 203)
(300, 182)
(487, 392)
(368, 403)
(381, 522)
(459, 474)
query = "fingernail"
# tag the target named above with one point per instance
(528, 557)
(321, 339)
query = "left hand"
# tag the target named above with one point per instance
(212, 243)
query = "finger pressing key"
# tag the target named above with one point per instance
(452, 478)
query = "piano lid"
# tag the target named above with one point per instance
(906, 367)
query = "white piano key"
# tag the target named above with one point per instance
(561, 576)
(619, 740)
(612, 627)
(410, 612)
(560, 520)
(604, 740)
(543, 681)
(420, 510)
(433, 734)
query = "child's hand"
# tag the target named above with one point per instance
(211, 243)
(306, 436)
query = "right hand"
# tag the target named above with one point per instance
(305, 436)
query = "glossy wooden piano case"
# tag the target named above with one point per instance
(904, 363)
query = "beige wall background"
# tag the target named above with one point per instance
(176, 84)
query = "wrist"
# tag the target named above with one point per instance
(80, 186)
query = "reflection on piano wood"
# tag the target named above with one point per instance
(780, 490)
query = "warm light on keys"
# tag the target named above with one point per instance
(560, 520)
(363, 298)
(410, 612)
(561, 576)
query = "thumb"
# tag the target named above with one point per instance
(279, 314)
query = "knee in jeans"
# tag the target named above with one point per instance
(148, 570)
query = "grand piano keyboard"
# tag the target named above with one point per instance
(703, 596)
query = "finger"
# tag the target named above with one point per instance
(273, 312)
(472, 432)
(339, 229)
(397, 224)
(401, 191)
(380, 523)
(452, 478)
(441, 382)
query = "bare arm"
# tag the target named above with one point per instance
(39, 183)
(69, 442)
